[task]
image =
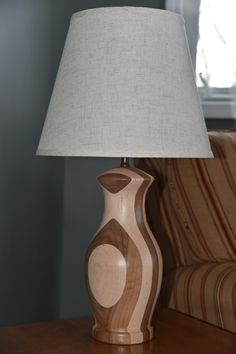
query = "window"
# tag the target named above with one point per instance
(211, 28)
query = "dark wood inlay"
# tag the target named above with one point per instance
(141, 222)
(114, 182)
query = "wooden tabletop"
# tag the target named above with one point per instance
(174, 334)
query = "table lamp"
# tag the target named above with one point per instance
(125, 88)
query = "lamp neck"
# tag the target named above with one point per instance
(124, 162)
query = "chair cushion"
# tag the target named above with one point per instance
(205, 291)
(197, 200)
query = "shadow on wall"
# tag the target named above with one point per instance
(221, 123)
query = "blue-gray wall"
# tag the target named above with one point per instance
(31, 189)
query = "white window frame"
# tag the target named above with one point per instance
(217, 109)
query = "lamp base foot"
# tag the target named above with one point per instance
(122, 338)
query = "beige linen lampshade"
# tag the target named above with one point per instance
(125, 87)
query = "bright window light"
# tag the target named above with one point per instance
(216, 49)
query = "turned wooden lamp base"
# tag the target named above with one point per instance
(124, 263)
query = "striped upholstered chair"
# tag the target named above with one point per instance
(191, 210)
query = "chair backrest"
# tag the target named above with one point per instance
(191, 206)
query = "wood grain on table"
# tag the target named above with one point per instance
(174, 334)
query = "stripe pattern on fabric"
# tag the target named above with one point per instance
(204, 291)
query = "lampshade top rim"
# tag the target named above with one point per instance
(102, 9)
